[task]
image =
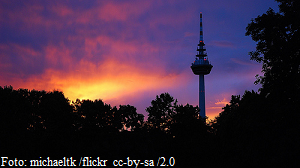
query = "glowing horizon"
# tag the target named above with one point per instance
(128, 52)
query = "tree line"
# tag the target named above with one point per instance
(32, 110)
(37, 123)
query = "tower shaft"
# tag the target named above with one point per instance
(202, 96)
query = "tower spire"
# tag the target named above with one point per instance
(201, 28)
(201, 67)
(201, 49)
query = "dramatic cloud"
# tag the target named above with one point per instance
(126, 51)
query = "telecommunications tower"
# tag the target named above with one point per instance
(201, 67)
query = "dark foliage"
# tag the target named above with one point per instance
(38, 123)
(161, 111)
(189, 134)
(278, 38)
(261, 129)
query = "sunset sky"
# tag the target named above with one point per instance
(127, 52)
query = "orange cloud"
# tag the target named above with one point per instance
(222, 102)
(108, 80)
(214, 108)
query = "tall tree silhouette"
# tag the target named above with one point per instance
(262, 121)
(178, 130)
(278, 38)
(161, 111)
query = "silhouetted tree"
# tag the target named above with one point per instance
(161, 111)
(187, 135)
(257, 129)
(56, 111)
(95, 115)
(278, 38)
(186, 123)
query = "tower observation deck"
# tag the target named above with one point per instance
(201, 67)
